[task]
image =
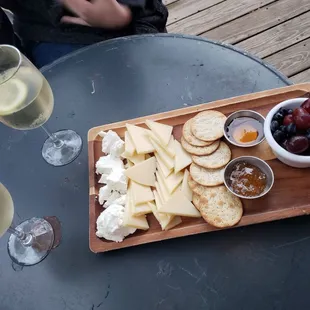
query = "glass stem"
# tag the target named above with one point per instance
(57, 142)
(26, 239)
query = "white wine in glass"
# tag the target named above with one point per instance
(31, 241)
(27, 102)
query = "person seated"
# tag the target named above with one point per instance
(50, 29)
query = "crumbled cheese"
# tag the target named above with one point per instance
(117, 180)
(103, 179)
(110, 224)
(121, 200)
(112, 144)
(106, 164)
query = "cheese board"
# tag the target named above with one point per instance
(279, 203)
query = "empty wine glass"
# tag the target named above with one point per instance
(27, 102)
(31, 241)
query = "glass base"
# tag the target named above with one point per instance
(43, 239)
(66, 153)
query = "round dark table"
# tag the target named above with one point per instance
(260, 267)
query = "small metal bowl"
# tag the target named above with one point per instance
(262, 165)
(245, 113)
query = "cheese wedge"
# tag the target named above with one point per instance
(140, 139)
(135, 158)
(181, 159)
(129, 146)
(176, 221)
(144, 172)
(172, 181)
(162, 131)
(141, 193)
(147, 156)
(141, 209)
(179, 205)
(139, 222)
(163, 219)
(169, 149)
(185, 187)
(162, 190)
(167, 160)
(162, 166)
(160, 194)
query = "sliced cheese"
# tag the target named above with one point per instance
(167, 160)
(179, 205)
(172, 181)
(129, 220)
(160, 193)
(185, 187)
(162, 131)
(162, 166)
(141, 193)
(181, 159)
(176, 221)
(140, 139)
(129, 146)
(143, 173)
(135, 158)
(169, 149)
(141, 209)
(162, 189)
(163, 219)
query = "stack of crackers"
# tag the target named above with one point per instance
(202, 139)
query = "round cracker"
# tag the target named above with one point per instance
(219, 207)
(196, 188)
(196, 200)
(215, 160)
(208, 125)
(200, 150)
(207, 177)
(190, 138)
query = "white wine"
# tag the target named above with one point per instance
(6, 210)
(26, 99)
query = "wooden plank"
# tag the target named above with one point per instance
(279, 37)
(301, 77)
(293, 59)
(185, 8)
(258, 21)
(168, 2)
(216, 16)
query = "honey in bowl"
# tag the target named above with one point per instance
(247, 180)
(245, 130)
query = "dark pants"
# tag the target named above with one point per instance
(42, 54)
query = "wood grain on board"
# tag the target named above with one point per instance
(258, 21)
(281, 202)
(215, 16)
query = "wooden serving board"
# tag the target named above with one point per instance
(289, 197)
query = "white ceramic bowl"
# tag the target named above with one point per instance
(293, 160)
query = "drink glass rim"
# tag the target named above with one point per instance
(19, 60)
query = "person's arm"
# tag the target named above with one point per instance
(98, 13)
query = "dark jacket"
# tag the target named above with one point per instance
(7, 35)
(39, 21)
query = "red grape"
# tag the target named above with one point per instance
(306, 105)
(288, 119)
(297, 144)
(302, 122)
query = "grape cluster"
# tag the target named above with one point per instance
(291, 129)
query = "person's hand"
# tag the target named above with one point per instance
(97, 13)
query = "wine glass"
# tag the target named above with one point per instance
(27, 102)
(31, 241)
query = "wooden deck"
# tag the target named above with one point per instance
(277, 31)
